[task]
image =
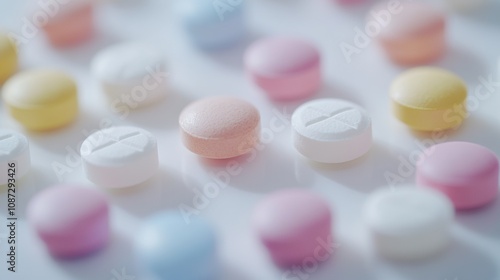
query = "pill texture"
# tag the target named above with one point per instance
(70, 25)
(408, 223)
(413, 33)
(41, 99)
(292, 225)
(8, 58)
(132, 74)
(285, 68)
(121, 156)
(220, 127)
(213, 24)
(429, 99)
(71, 220)
(331, 130)
(465, 172)
(170, 247)
(14, 155)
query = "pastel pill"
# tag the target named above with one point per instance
(121, 156)
(285, 68)
(132, 73)
(8, 58)
(292, 224)
(429, 99)
(71, 25)
(331, 130)
(14, 155)
(213, 24)
(220, 127)
(408, 223)
(169, 247)
(447, 168)
(410, 33)
(41, 99)
(72, 221)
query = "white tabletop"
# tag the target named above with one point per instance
(473, 53)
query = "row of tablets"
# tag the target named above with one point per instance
(294, 225)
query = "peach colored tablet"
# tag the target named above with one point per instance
(220, 127)
(416, 35)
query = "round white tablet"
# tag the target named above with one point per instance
(132, 74)
(331, 130)
(409, 223)
(14, 155)
(119, 157)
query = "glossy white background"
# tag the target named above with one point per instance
(474, 41)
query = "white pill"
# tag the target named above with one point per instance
(408, 223)
(331, 130)
(14, 155)
(120, 157)
(133, 74)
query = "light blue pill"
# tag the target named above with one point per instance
(213, 24)
(168, 247)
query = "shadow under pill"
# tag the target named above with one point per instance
(117, 257)
(231, 273)
(263, 170)
(460, 261)
(70, 137)
(164, 114)
(85, 52)
(165, 191)
(366, 173)
(345, 263)
(463, 63)
(483, 220)
(233, 56)
(487, 14)
(480, 131)
(326, 91)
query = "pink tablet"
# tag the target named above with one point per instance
(294, 225)
(71, 220)
(414, 35)
(467, 173)
(285, 68)
(220, 127)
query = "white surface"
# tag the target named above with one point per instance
(409, 223)
(473, 53)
